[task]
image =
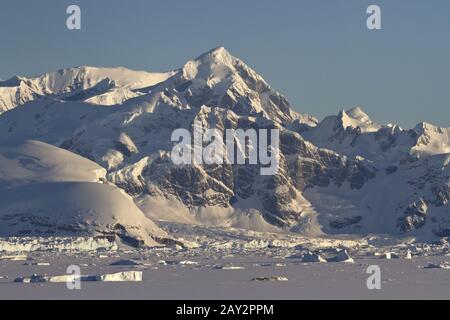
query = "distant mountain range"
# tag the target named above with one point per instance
(343, 175)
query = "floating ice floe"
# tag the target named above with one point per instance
(125, 276)
(43, 278)
(342, 256)
(279, 278)
(187, 262)
(264, 264)
(37, 264)
(14, 257)
(408, 255)
(126, 262)
(312, 257)
(443, 265)
(229, 267)
(173, 262)
(389, 255)
(128, 276)
(393, 255)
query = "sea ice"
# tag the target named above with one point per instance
(279, 278)
(342, 256)
(312, 257)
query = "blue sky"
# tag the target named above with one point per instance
(318, 53)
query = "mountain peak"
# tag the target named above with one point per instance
(420, 127)
(214, 66)
(209, 60)
(218, 50)
(358, 113)
(218, 79)
(356, 118)
(431, 139)
(12, 82)
(215, 53)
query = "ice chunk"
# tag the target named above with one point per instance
(312, 257)
(133, 276)
(126, 262)
(390, 255)
(37, 264)
(187, 262)
(182, 262)
(342, 256)
(279, 278)
(14, 257)
(229, 267)
(408, 255)
(443, 265)
(125, 276)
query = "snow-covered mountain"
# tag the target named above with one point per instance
(431, 140)
(109, 86)
(344, 174)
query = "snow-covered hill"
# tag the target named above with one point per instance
(36, 162)
(345, 174)
(45, 190)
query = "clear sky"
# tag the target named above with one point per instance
(318, 53)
